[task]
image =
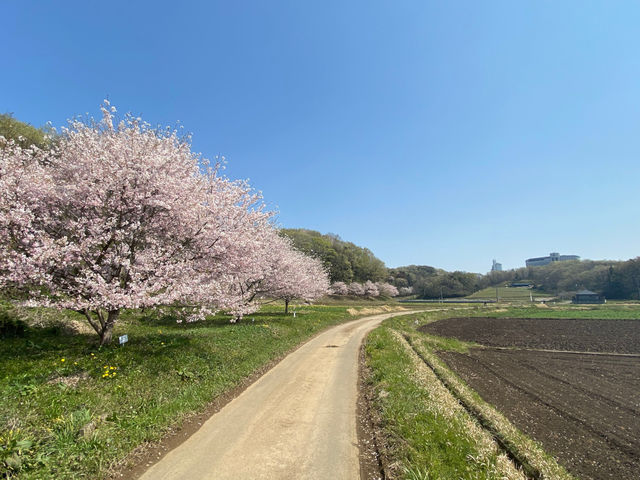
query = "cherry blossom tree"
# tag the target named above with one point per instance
(279, 271)
(248, 285)
(296, 276)
(387, 289)
(121, 216)
(405, 291)
(356, 289)
(371, 289)
(339, 288)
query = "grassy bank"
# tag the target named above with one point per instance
(425, 408)
(511, 294)
(71, 410)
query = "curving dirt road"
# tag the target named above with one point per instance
(296, 422)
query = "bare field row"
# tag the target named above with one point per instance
(583, 408)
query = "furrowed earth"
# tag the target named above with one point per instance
(573, 385)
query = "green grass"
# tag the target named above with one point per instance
(71, 410)
(509, 294)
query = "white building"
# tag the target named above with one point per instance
(553, 257)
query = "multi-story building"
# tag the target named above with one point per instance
(553, 257)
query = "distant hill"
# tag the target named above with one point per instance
(348, 263)
(23, 133)
(345, 261)
(411, 275)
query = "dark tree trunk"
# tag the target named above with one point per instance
(104, 324)
(286, 306)
(107, 331)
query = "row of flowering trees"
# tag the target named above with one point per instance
(123, 215)
(366, 289)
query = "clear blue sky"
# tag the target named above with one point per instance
(440, 133)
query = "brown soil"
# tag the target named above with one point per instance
(370, 436)
(584, 409)
(70, 381)
(619, 336)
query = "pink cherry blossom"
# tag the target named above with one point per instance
(121, 215)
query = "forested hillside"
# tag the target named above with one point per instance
(430, 282)
(23, 133)
(345, 261)
(614, 279)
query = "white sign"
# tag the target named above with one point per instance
(123, 339)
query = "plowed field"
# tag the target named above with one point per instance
(583, 407)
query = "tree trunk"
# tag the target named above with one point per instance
(106, 335)
(103, 326)
(286, 306)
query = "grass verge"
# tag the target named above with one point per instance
(71, 410)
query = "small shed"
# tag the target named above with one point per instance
(587, 296)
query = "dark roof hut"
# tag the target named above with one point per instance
(587, 296)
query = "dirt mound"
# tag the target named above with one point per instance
(70, 381)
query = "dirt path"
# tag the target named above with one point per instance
(297, 421)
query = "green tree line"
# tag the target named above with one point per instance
(345, 261)
(613, 279)
(430, 282)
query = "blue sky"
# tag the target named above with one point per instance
(433, 133)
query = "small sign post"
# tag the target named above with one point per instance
(123, 339)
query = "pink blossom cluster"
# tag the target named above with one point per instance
(405, 291)
(127, 216)
(276, 270)
(366, 289)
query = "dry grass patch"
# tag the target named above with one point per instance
(374, 310)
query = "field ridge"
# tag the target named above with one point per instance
(525, 454)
